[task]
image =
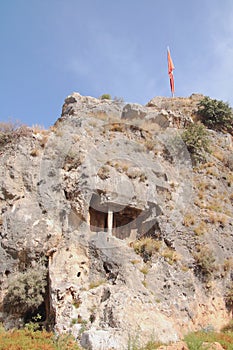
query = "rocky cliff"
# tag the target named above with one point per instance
(106, 214)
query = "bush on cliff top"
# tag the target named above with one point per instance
(106, 97)
(217, 115)
(11, 131)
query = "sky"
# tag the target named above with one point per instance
(51, 48)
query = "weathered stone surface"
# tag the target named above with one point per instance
(229, 161)
(133, 111)
(56, 191)
(102, 339)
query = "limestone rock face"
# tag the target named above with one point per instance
(81, 197)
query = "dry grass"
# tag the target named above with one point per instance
(96, 283)
(117, 127)
(206, 165)
(142, 177)
(135, 261)
(215, 205)
(35, 152)
(184, 268)
(145, 269)
(52, 128)
(220, 218)
(228, 264)
(189, 220)
(212, 171)
(120, 165)
(9, 126)
(35, 340)
(205, 262)
(170, 255)
(201, 195)
(146, 247)
(230, 179)
(201, 229)
(38, 129)
(231, 197)
(200, 204)
(144, 283)
(149, 144)
(218, 154)
(202, 185)
(43, 141)
(11, 132)
(104, 172)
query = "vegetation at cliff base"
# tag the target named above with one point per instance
(203, 340)
(26, 289)
(25, 339)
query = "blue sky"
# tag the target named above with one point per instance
(51, 48)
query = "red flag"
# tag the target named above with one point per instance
(170, 71)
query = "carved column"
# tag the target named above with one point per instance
(110, 221)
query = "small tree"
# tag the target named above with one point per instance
(216, 114)
(197, 142)
(26, 290)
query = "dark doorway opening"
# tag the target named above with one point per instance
(126, 220)
(98, 220)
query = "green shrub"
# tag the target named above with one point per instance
(215, 114)
(34, 325)
(105, 97)
(193, 342)
(197, 141)
(203, 340)
(26, 290)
